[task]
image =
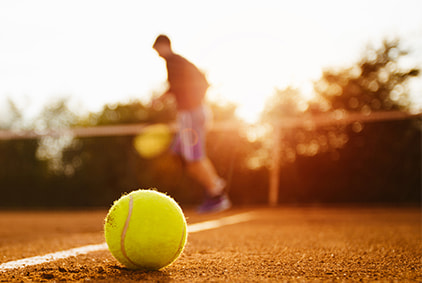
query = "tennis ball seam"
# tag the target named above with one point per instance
(180, 247)
(123, 235)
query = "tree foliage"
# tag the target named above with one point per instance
(376, 83)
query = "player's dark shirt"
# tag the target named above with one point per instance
(186, 82)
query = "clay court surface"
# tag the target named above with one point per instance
(276, 244)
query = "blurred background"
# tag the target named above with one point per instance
(295, 89)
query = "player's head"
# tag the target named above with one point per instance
(162, 45)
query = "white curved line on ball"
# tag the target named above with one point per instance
(123, 236)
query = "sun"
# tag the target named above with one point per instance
(245, 69)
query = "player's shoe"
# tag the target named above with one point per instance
(215, 204)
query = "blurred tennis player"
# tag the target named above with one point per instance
(188, 86)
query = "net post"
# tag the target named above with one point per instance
(274, 181)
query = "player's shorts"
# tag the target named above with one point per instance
(189, 142)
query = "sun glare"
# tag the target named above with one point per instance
(245, 69)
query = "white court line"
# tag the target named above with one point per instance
(228, 220)
(51, 257)
(193, 228)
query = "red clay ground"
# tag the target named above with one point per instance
(281, 244)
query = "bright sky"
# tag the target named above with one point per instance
(98, 51)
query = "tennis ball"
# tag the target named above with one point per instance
(153, 141)
(146, 230)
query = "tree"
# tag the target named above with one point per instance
(376, 83)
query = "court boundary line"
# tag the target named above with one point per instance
(50, 257)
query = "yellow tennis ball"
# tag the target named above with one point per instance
(153, 141)
(145, 229)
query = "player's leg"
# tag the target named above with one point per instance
(191, 146)
(204, 172)
(199, 166)
(216, 198)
